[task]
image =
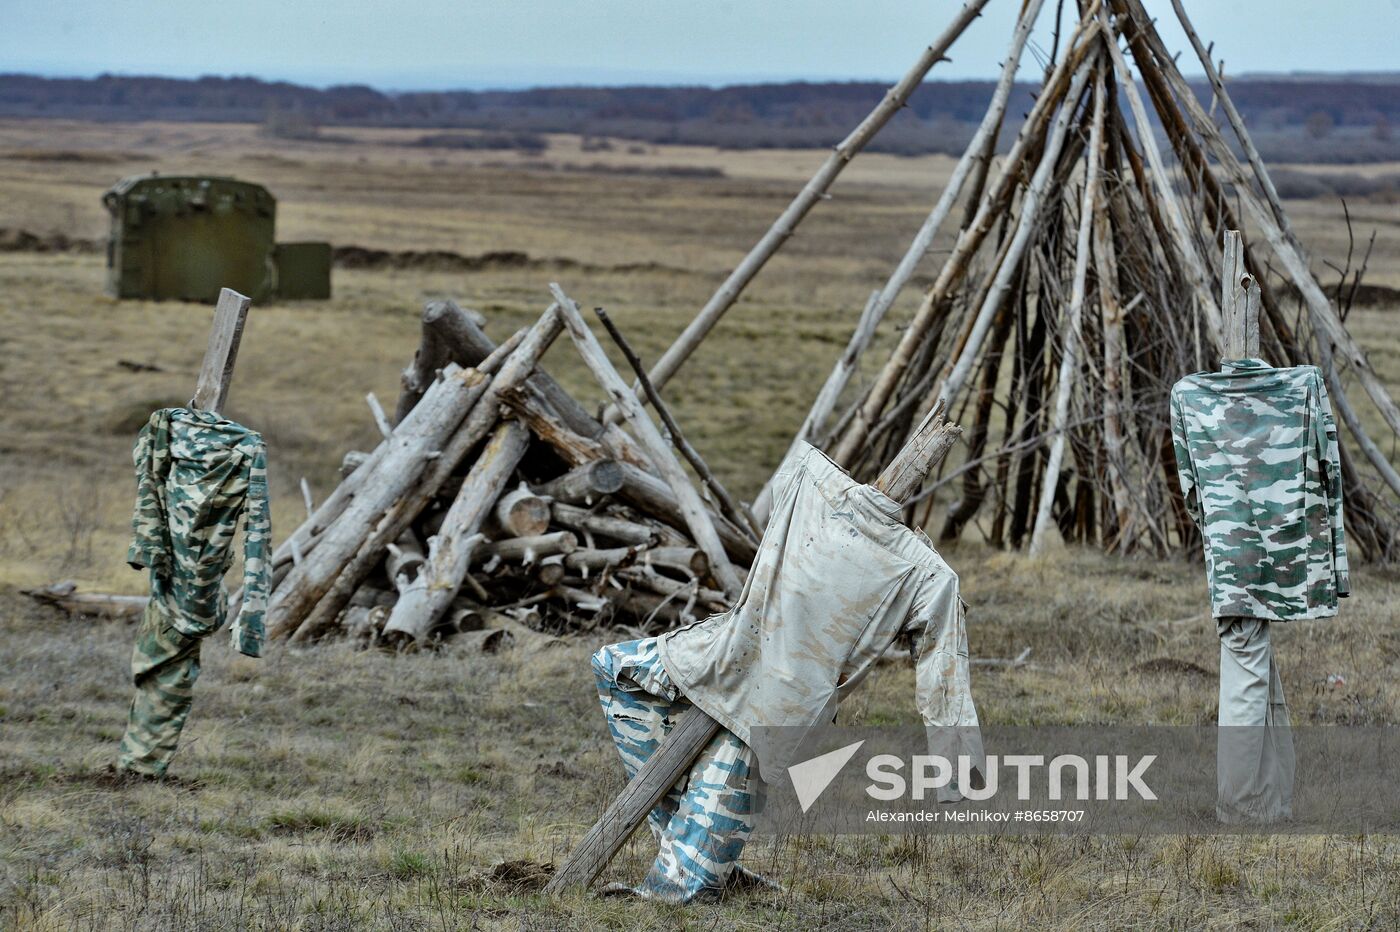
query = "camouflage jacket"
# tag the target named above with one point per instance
(1256, 450)
(196, 473)
(837, 580)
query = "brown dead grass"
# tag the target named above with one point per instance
(335, 789)
(330, 788)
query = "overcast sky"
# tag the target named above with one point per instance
(435, 44)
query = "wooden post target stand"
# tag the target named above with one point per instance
(695, 728)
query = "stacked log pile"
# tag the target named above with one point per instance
(496, 491)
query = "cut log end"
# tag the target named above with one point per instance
(522, 513)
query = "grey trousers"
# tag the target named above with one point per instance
(1255, 764)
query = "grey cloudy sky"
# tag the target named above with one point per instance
(433, 44)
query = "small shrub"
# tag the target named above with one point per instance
(405, 865)
(341, 826)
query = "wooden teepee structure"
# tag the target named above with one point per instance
(1084, 279)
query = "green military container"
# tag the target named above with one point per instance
(303, 270)
(184, 237)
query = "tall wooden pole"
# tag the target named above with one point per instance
(1027, 222)
(1065, 83)
(1069, 356)
(1183, 236)
(692, 507)
(975, 156)
(1256, 162)
(814, 191)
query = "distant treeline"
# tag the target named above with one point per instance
(1300, 118)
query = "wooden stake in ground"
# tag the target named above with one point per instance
(695, 728)
(211, 391)
(1239, 301)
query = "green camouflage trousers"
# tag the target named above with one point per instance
(164, 666)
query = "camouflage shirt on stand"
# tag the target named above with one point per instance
(1256, 449)
(196, 473)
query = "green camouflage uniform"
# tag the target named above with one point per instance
(196, 473)
(1256, 450)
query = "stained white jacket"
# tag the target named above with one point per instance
(837, 579)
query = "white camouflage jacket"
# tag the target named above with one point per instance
(837, 580)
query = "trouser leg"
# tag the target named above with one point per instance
(1255, 759)
(640, 706)
(701, 823)
(712, 822)
(164, 666)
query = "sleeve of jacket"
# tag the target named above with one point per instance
(943, 687)
(150, 530)
(1186, 472)
(1331, 462)
(247, 630)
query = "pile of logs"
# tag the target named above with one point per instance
(496, 491)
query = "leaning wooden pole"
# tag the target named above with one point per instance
(1236, 122)
(695, 729)
(814, 191)
(692, 507)
(1197, 274)
(726, 502)
(976, 155)
(1027, 222)
(1069, 355)
(1066, 82)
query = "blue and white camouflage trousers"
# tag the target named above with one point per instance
(703, 822)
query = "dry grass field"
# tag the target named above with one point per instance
(327, 788)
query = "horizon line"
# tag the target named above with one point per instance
(641, 79)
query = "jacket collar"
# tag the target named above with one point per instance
(1243, 365)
